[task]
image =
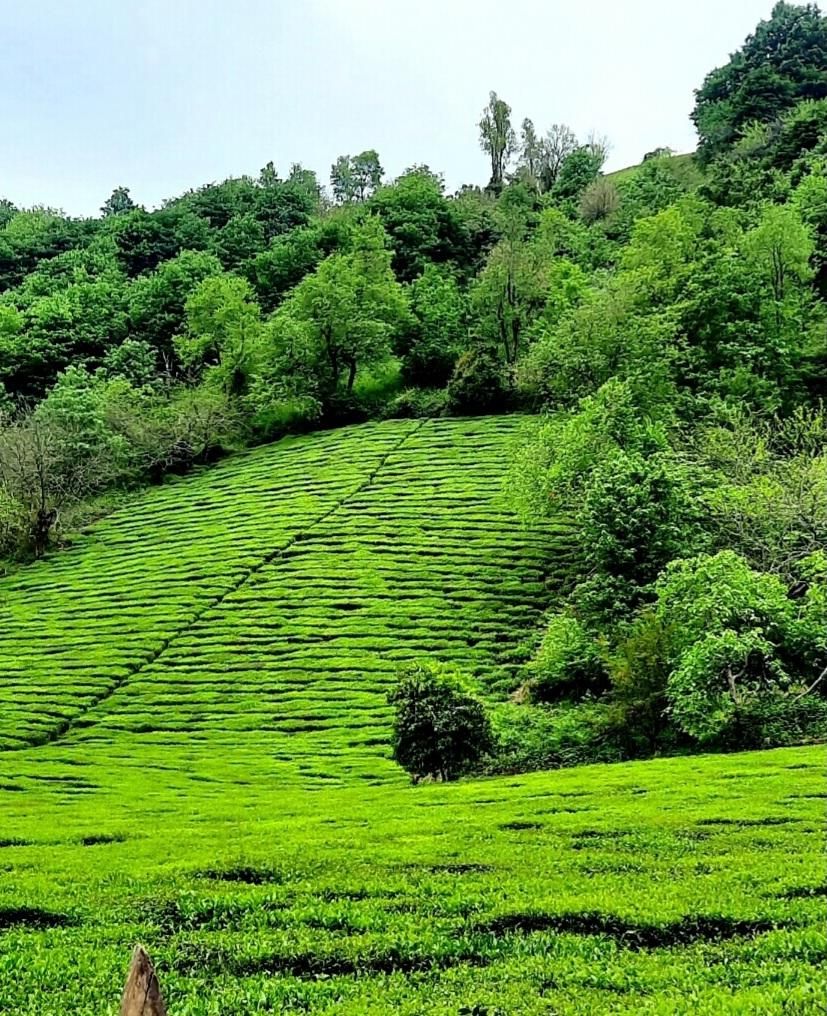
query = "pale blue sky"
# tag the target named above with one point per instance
(162, 95)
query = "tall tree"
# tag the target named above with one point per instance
(341, 179)
(558, 144)
(355, 178)
(531, 152)
(117, 203)
(510, 291)
(367, 173)
(223, 330)
(497, 137)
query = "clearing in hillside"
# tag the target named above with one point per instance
(275, 596)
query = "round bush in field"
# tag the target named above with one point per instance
(439, 729)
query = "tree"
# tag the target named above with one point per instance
(341, 179)
(144, 239)
(558, 144)
(636, 514)
(478, 383)
(423, 226)
(497, 138)
(134, 361)
(780, 248)
(157, 301)
(567, 663)
(31, 237)
(440, 331)
(580, 168)
(355, 178)
(346, 313)
(367, 173)
(74, 324)
(289, 258)
(735, 636)
(223, 331)
(56, 457)
(118, 202)
(531, 152)
(780, 64)
(268, 175)
(511, 289)
(600, 146)
(8, 210)
(439, 729)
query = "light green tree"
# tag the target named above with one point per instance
(346, 313)
(497, 137)
(223, 331)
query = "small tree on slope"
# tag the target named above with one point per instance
(439, 729)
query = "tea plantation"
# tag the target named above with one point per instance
(193, 754)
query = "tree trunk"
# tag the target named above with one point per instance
(142, 994)
(351, 377)
(44, 520)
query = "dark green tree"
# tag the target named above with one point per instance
(439, 729)
(782, 63)
(423, 225)
(117, 203)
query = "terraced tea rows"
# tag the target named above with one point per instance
(205, 674)
(680, 887)
(276, 595)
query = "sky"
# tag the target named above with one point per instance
(163, 95)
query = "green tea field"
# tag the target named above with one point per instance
(194, 755)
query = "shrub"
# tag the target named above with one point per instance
(606, 603)
(599, 201)
(552, 469)
(544, 737)
(637, 513)
(439, 729)
(416, 403)
(774, 721)
(639, 671)
(568, 663)
(478, 384)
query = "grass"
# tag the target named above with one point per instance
(693, 885)
(685, 168)
(193, 754)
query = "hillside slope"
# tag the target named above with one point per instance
(193, 717)
(275, 595)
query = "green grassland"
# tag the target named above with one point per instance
(691, 885)
(684, 167)
(193, 754)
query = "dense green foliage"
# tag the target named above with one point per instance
(780, 65)
(684, 434)
(439, 728)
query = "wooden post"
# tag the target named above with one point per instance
(142, 994)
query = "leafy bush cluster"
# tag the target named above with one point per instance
(684, 433)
